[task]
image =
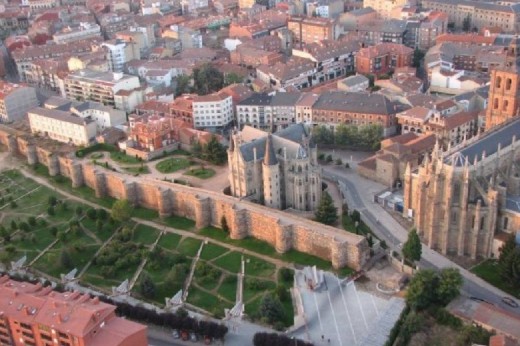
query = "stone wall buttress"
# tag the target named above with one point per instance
(283, 238)
(76, 174)
(54, 165)
(202, 212)
(164, 202)
(32, 155)
(238, 225)
(100, 184)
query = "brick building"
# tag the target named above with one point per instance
(309, 30)
(36, 315)
(383, 58)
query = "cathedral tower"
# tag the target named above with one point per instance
(271, 176)
(504, 90)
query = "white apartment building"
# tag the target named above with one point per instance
(97, 86)
(104, 116)
(15, 101)
(191, 6)
(82, 32)
(212, 111)
(40, 4)
(62, 126)
(119, 53)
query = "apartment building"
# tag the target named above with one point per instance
(104, 116)
(334, 107)
(97, 86)
(383, 58)
(248, 56)
(212, 111)
(296, 72)
(379, 31)
(45, 72)
(331, 59)
(15, 101)
(37, 315)
(384, 7)
(310, 30)
(23, 57)
(119, 53)
(325, 8)
(62, 126)
(268, 112)
(479, 14)
(191, 6)
(81, 32)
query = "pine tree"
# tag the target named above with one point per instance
(326, 213)
(412, 248)
(147, 286)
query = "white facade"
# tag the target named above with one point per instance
(189, 6)
(96, 86)
(84, 31)
(15, 101)
(102, 115)
(212, 111)
(451, 82)
(119, 53)
(62, 126)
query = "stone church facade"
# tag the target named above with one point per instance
(466, 200)
(279, 170)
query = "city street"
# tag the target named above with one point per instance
(388, 229)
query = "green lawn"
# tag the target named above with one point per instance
(250, 292)
(123, 158)
(228, 288)
(145, 234)
(488, 271)
(136, 170)
(179, 222)
(230, 262)
(145, 213)
(172, 164)
(201, 173)
(258, 267)
(169, 241)
(189, 247)
(211, 251)
(207, 302)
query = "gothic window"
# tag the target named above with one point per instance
(473, 222)
(456, 191)
(495, 103)
(498, 82)
(299, 169)
(506, 221)
(505, 105)
(482, 219)
(454, 217)
(508, 84)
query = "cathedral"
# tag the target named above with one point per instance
(466, 200)
(279, 170)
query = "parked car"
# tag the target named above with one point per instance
(194, 337)
(176, 334)
(509, 301)
(480, 300)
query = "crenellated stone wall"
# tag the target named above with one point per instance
(245, 219)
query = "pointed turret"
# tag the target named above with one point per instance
(270, 156)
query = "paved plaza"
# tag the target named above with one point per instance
(344, 315)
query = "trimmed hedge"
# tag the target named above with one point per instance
(96, 147)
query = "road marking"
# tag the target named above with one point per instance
(333, 315)
(359, 303)
(374, 303)
(346, 309)
(317, 309)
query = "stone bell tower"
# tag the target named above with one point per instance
(504, 90)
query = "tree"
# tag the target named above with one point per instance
(224, 224)
(65, 260)
(429, 288)
(176, 275)
(326, 213)
(421, 290)
(207, 79)
(79, 210)
(233, 78)
(183, 85)
(450, 283)
(91, 213)
(418, 55)
(412, 248)
(101, 214)
(147, 286)
(32, 221)
(322, 135)
(509, 261)
(51, 211)
(14, 226)
(52, 201)
(271, 309)
(121, 210)
(214, 151)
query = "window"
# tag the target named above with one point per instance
(505, 105)
(508, 84)
(506, 221)
(495, 103)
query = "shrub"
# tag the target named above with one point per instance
(52, 201)
(92, 214)
(13, 204)
(328, 159)
(51, 211)
(321, 156)
(32, 221)
(339, 162)
(285, 275)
